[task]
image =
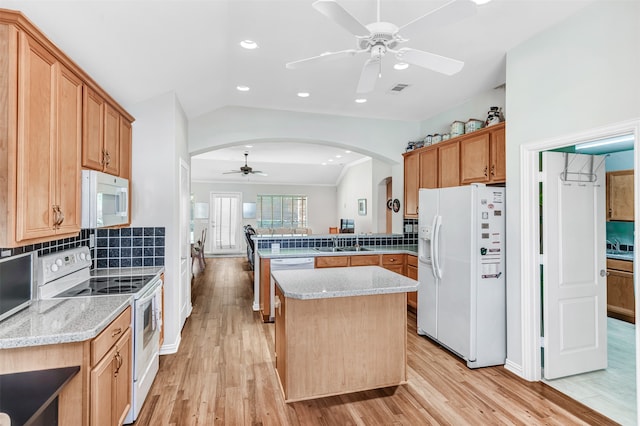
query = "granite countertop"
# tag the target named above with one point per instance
(54, 321)
(621, 256)
(341, 282)
(312, 252)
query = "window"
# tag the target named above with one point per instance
(281, 211)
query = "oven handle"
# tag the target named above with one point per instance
(155, 289)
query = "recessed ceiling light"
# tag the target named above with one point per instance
(338, 156)
(324, 164)
(330, 160)
(401, 66)
(243, 88)
(303, 94)
(481, 1)
(249, 44)
(361, 100)
(348, 152)
(248, 146)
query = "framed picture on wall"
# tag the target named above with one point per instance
(362, 206)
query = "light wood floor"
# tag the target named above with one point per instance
(224, 374)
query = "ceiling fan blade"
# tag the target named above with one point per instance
(340, 16)
(454, 11)
(434, 62)
(259, 173)
(325, 57)
(368, 76)
(228, 173)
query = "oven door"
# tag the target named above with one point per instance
(147, 330)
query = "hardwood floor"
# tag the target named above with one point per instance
(224, 374)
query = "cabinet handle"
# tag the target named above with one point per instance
(107, 158)
(485, 171)
(102, 158)
(116, 332)
(55, 216)
(61, 217)
(493, 170)
(118, 358)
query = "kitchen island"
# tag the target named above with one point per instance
(340, 330)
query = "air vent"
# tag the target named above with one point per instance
(398, 88)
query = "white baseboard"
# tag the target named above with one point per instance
(171, 348)
(514, 368)
(256, 307)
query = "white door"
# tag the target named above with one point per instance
(185, 243)
(574, 264)
(224, 223)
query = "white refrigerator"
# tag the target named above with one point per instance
(461, 261)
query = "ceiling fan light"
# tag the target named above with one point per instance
(243, 88)
(249, 44)
(401, 66)
(303, 94)
(479, 2)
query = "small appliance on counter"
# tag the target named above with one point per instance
(16, 283)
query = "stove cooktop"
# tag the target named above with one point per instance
(97, 286)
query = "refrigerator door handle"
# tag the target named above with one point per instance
(435, 247)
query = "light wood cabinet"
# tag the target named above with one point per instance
(412, 272)
(281, 337)
(265, 289)
(102, 132)
(331, 261)
(429, 168)
(620, 198)
(411, 184)
(111, 373)
(394, 262)
(39, 143)
(620, 292)
(449, 165)
(364, 260)
(482, 157)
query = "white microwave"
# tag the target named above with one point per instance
(105, 200)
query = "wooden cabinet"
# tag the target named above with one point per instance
(265, 289)
(429, 168)
(449, 165)
(620, 292)
(412, 272)
(331, 261)
(411, 184)
(394, 262)
(281, 337)
(111, 373)
(364, 260)
(620, 198)
(103, 130)
(39, 143)
(482, 157)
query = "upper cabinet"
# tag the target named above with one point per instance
(41, 135)
(101, 140)
(477, 157)
(620, 195)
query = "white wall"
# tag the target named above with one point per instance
(580, 74)
(321, 201)
(356, 183)
(159, 141)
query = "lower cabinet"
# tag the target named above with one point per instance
(412, 272)
(111, 373)
(620, 294)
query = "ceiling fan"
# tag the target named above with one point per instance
(246, 170)
(379, 38)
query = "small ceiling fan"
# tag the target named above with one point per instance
(379, 38)
(246, 170)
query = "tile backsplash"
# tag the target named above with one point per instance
(113, 248)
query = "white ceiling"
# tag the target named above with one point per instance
(140, 49)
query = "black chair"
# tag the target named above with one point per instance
(248, 232)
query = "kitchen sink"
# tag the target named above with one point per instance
(339, 249)
(326, 249)
(353, 248)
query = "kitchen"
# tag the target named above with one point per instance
(161, 128)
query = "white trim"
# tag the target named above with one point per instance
(172, 348)
(529, 238)
(514, 368)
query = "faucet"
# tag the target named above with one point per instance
(615, 245)
(335, 242)
(357, 246)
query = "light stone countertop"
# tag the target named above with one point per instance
(133, 271)
(312, 252)
(341, 282)
(621, 256)
(54, 321)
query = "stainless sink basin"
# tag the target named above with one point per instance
(326, 249)
(352, 248)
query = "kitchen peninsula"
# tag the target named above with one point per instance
(340, 330)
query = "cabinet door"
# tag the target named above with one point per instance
(474, 159)
(92, 129)
(102, 390)
(69, 142)
(125, 149)
(620, 197)
(365, 260)
(122, 399)
(449, 165)
(411, 170)
(498, 169)
(620, 296)
(281, 340)
(265, 288)
(412, 296)
(332, 261)
(429, 168)
(111, 154)
(36, 156)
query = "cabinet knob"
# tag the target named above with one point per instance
(485, 171)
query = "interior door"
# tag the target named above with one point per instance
(185, 242)
(224, 223)
(574, 264)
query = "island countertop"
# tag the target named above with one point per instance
(341, 282)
